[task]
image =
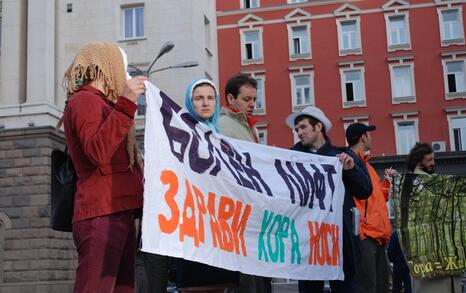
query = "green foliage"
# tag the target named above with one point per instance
(430, 213)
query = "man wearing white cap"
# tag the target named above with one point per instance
(312, 126)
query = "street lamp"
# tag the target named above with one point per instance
(179, 65)
(166, 47)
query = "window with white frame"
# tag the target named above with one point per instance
(349, 36)
(455, 79)
(133, 19)
(299, 40)
(252, 47)
(302, 90)
(406, 136)
(260, 101)
(262, 135)
(353, 87)
(451, 26)
(402, 82)
(249, 4)
(458, 132)
(398, 31)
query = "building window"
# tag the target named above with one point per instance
(455, 80)
(262, 136)
(133, 19)
(251, 46)
(5, 223)
(245, 4)
(299, 41)
(458, 133)
(398, 32)
(451, 26)
(353, 87)
(402, 80)
(349, 39)
(406, 136)
(260, 101)
(302, 90)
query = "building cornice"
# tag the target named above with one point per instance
(400, 58)
(456, 110)
(33, 132)
(354, 117)
(301, 68)
(404, 114)
(281, 7)
(351, 64)
(453, 54)
(330, 14)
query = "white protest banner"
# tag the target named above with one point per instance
(237, 205)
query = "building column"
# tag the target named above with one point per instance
(41, 52)
(13, 55)
(30, 103)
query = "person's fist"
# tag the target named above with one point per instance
(389, 173)
(134, 88)
(346, 160)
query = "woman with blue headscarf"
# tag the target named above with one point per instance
(203, 103)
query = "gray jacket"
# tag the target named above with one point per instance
(235, 125)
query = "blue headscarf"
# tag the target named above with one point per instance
(212, 121)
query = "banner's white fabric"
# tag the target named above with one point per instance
(237, 205)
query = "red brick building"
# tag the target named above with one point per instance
(397, 64)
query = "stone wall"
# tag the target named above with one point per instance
(33, 257)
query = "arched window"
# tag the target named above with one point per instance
(5, 223)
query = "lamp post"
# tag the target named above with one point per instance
(166, 47)
(179, 65)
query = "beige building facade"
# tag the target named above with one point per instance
(39, 39)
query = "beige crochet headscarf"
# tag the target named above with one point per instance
(104, 61)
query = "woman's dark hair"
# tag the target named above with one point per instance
(313, 121)
(234, 83)
(417, 154)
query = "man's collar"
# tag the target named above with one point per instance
(324, 147)
(251, 121)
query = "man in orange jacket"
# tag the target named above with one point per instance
(375, 229)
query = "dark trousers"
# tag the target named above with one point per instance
(372, 270)
(106, 248)
(345, 286)
(401, 278)
(156, 267)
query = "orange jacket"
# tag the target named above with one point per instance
(375, 223)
